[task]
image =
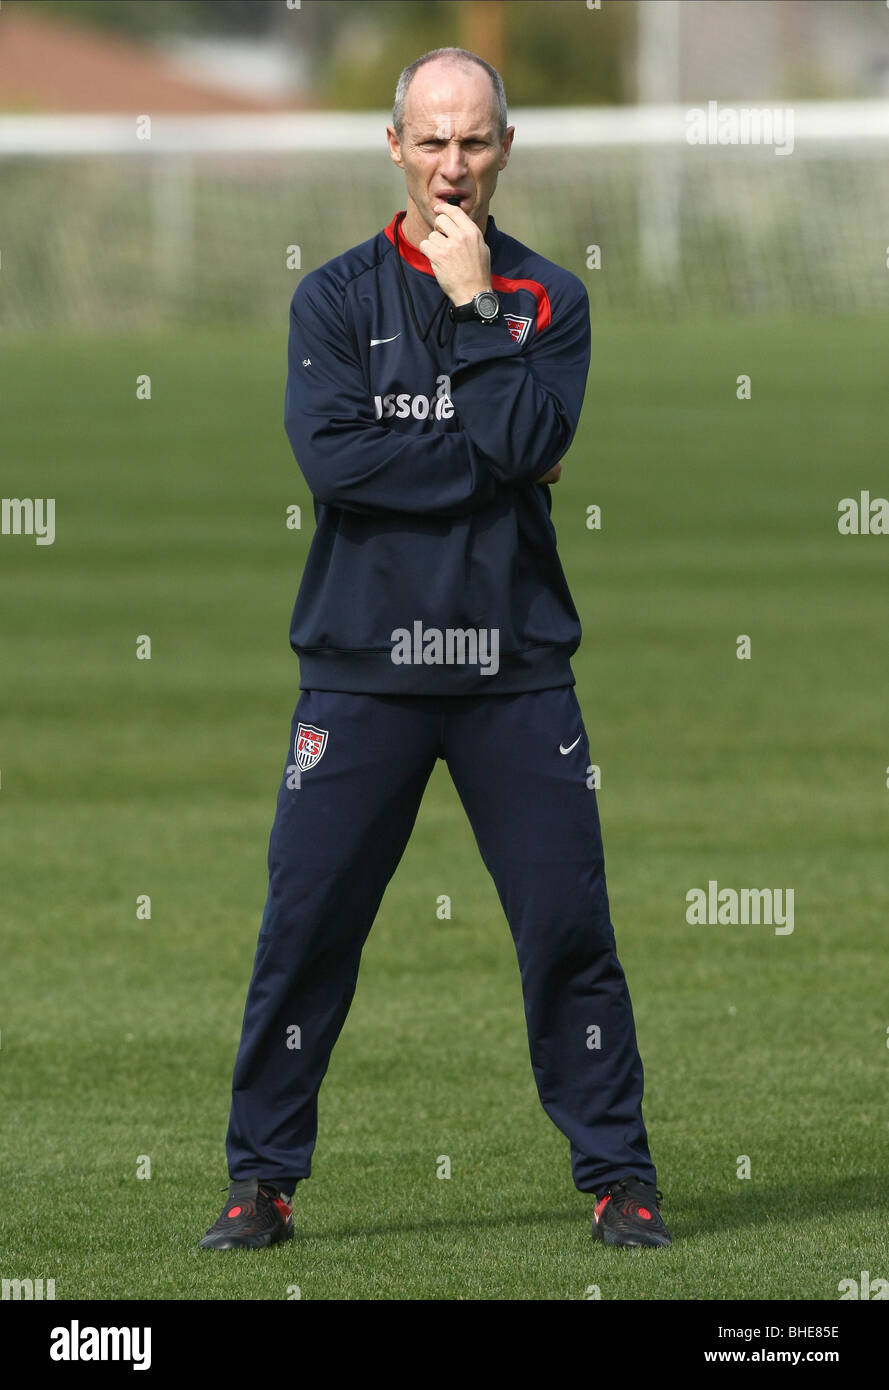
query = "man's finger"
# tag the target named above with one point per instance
(432, 243)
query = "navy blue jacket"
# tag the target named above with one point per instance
(421, 441)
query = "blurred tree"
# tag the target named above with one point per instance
(154, 18)
(549, 52)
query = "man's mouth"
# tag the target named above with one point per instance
(455, 199)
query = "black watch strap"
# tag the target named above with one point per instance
(484, 308)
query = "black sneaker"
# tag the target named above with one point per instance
(256, 1214)
(628, 1213)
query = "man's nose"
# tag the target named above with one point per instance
(453, 162)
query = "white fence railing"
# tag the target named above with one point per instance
(116, 222)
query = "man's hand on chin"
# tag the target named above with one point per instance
(458, 253)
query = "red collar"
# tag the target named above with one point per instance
(409, 252)
(501, 283)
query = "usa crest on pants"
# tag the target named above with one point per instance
(309, 745)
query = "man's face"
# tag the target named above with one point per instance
(450, 144)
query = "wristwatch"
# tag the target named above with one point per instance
(485, 307)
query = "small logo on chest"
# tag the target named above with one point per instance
(518, 326)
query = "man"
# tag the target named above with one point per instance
(436, 377)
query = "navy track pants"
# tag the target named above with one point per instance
(336, 841)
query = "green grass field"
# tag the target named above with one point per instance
(121, 777)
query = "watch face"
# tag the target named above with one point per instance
(488, 305)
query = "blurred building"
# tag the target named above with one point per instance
(49, 64)
(766, 49)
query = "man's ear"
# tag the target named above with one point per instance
(506, 146)
(394, 146)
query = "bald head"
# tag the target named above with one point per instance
(455, 58)
(447, 136)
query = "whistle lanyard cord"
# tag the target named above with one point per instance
(442, 341)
